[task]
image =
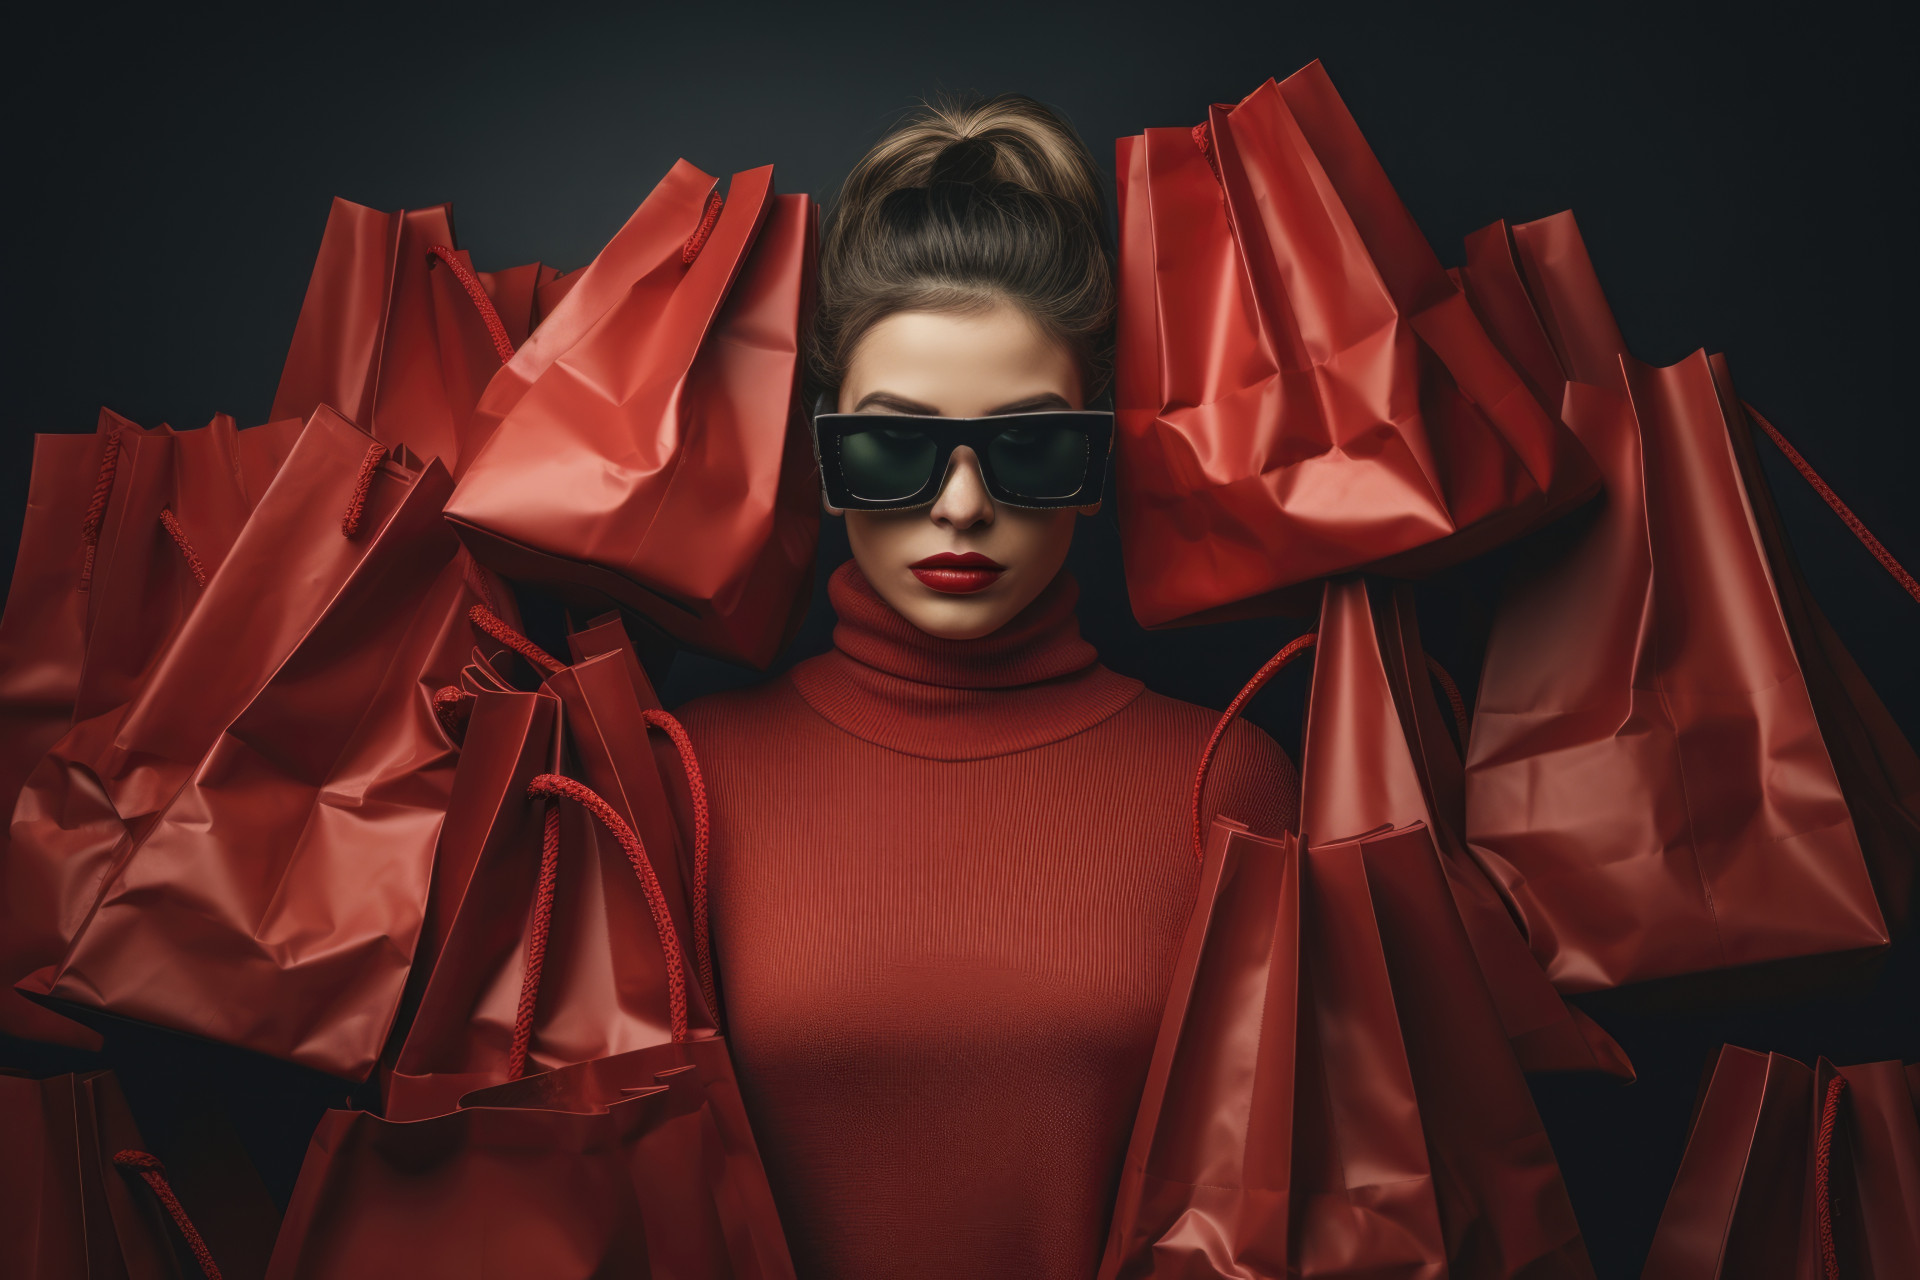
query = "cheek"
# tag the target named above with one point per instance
(1041, 535)
(875, 532)
(1034, 537)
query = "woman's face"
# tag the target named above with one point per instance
(960, 366)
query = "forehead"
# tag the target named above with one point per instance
(960, 365)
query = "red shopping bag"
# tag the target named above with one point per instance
(614, 726)
(550, 292)
(1332, 1004)
(652, 448)
(1384, 759)
(515, 294)
(1795, 1174)
(289, 729)
(180, 501)
(704, 1188)
(648, 254)
(43, 631)
(43, 643)
(392, 333)
(1878, 769)
(493, 1194)
(639, 1159)
(1380, 723)
(1331, 1093)
(82, 1197)
(534, 868)
(1302, 390)
(1648, 776)
(166, 510)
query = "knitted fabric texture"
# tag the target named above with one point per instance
(949, 883)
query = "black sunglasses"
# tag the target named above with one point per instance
(890, 461)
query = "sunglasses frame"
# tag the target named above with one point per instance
(829, 429)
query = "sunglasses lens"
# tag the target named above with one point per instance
(886, 464)
(1040, 461)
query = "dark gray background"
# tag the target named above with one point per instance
(1744, 178)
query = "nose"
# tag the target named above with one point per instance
(963, 501)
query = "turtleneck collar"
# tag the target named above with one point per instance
(1041, 642)
(1033, 681)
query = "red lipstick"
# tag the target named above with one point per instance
(957, 572)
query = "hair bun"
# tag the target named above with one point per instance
(966, 162)
(962, 206)
(1009, 139)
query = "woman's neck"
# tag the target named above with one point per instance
(1033, 681)
(1041, 642)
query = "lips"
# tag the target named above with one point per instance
(957, 572)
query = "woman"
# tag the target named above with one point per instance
(951, 862)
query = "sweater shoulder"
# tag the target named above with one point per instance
(1252, 780)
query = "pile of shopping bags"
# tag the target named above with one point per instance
(284, 775)
(1672, 768)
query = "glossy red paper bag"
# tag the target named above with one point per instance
(1386, 760)
(1795, 1174)
(1878, 769)
(42, 646)
(515, 294)
(706, 1195)
(239, 903)
(487, 877)
(1346, 1001)
(1331, 1093)
(43, 631)
(652, 1144)
(81, 1198)
(390, 336)
(1383, 757)
(493, 1194)
(628, 748)
(662, 461)
(1302, 390)
(78, 529)
(169, 506)
(604, 986)
(649, 253)
(180, 501)
(448, 1165)
(1647, 775)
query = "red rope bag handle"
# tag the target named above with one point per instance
(702, 829)
(494, 625)
(556, 787)
(1823, 1176)
(489, 316)
(698, 240)
(1896, 570)
(175, 530)
(1203, 138)
(449, 704)
(362, 486)
(536, 944)
(150, 1171)
(96, 515)
(1271, 668)
(452, 707)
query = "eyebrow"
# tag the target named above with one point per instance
(900, 404)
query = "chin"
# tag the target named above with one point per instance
(953, 620)
(958, 617)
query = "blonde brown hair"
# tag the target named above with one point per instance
(961, 206)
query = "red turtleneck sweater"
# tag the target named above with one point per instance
(949, 883)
